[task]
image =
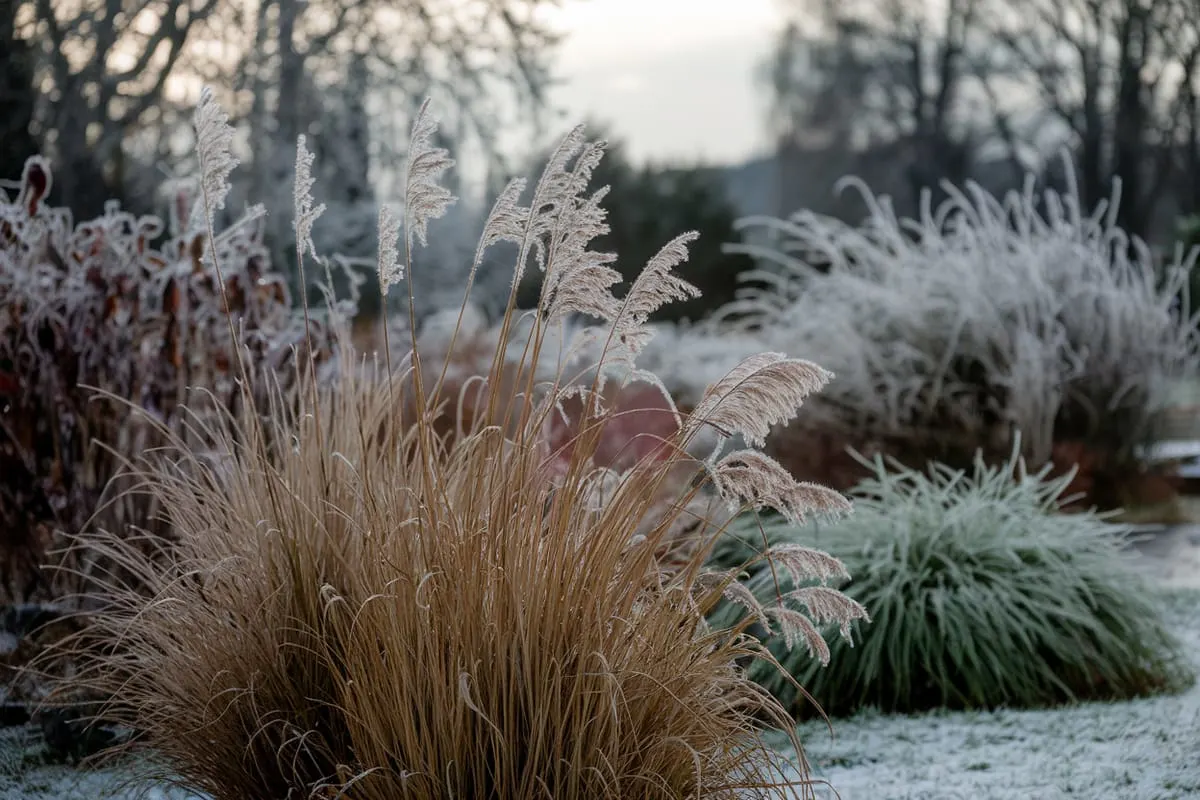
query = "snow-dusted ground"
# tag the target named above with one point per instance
(1171, 554)
(23, 776)
(1141, 750)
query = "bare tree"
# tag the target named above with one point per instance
(480, 59)
(102, 66)
(1120, 77)
(113, 70)
(1185, 42)
(350, 74)
(17, 95)
(898, 75)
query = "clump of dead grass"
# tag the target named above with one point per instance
(360, 603)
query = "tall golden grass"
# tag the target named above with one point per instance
(358, 603)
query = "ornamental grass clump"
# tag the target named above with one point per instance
(979, 319)
(360, 602)
(981, 596)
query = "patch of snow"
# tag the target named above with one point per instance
(1172, 556)
(1176, 450)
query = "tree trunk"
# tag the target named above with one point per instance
(1095, 182)
(17, 95)
(79, 180)
(1130, 118)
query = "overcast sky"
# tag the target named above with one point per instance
(675, 79)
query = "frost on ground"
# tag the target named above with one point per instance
(26, 775)
(1140, 750)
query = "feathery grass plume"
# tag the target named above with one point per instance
(391, 268)
(306, 212)
(583, 281)
(653, 288)
(761, 391)
(424, 198)
(982, 596)
(559, 217)
(506, 222)
(388, 612)
(305, 215)
(796, 628)
(750, 477)
(391, 271)
(214, 149)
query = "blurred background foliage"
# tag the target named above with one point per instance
(904, 94)
(908, 95)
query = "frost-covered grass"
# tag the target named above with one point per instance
(981, 594)
(1138, 749)
(358, 603)
(981, 318)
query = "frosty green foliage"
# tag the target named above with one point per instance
(980, 595)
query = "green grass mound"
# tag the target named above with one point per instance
(981, 595)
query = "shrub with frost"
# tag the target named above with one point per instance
(983, 317)
(108, 309)
(361, 603)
